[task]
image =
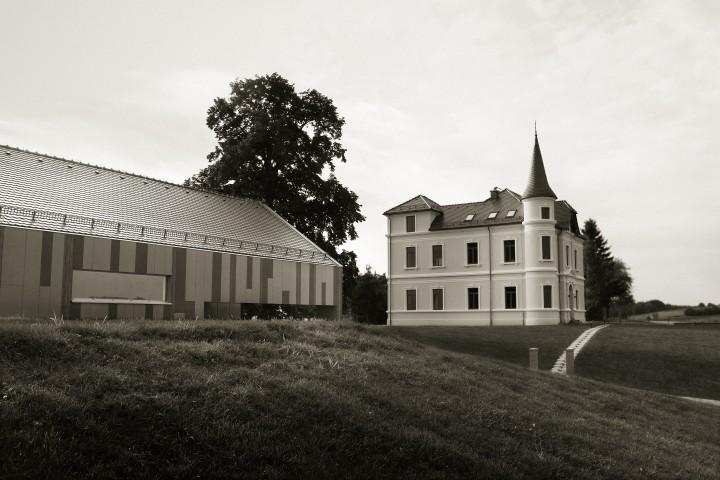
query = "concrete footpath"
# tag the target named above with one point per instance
(577, 345)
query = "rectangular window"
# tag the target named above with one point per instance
(473, 254)
(117, 287)
(509, 251)
(411, 299)
(511, 213)
(575, 258)
(567, 255)
(473, 294)
(410, 257)
(437, 255)
(577, 305)
(410, 223)
(510, 298)
(547, 296)
(545, 240)
(545, 213)
(492, 215)
(438, 300)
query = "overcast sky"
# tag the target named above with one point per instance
(439, 99)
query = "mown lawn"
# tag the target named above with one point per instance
(318, 400)
(679, 360)
(509, 344)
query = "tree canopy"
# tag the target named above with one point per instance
(607, 279)
(281, 146)
(369, 298)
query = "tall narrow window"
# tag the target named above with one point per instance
(410, 223)
(510, 298)
(577, 304)
(437, 255)
(545, 241)
(410, 257)
(575, 258)
(473, 294)
(547, 296)
(437, 298)
(545, 213)
(509, 251)
(411, 299)
(567, 255)
(473, 254)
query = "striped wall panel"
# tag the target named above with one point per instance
(36, 277)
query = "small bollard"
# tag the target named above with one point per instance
(533, 359)
(570, 361)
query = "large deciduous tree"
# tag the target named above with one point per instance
(280, 146)
(607, 279)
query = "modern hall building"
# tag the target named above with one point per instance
(89, 242)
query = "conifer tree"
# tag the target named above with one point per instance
(607, 279)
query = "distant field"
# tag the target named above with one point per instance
(679, 360)
(678, 312)
(509, 344)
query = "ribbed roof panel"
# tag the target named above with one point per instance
(39, 182)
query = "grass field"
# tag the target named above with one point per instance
(319, 400)
(679, 360)
(509, 344)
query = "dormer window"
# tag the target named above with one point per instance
(511, 213)
(469, 217)
(492, 215)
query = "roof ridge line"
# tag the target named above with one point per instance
(115, 170)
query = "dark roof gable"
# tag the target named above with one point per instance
(416, 204)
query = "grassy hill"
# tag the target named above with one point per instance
(318, 400)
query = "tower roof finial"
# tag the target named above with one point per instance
(538, 185)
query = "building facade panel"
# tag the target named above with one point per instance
(40, 278)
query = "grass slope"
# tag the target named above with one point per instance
(509, 344)
(318, 400)
(679, 360)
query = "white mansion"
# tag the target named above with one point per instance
(509, 260)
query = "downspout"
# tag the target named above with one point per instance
(490, 273)
(558, 258)
(389, 276)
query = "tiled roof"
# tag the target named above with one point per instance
(415, 204)
(453, 216)
(538, 185)
(50, 193)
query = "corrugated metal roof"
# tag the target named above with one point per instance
(79, 198)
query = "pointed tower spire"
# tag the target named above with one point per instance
(538, 185)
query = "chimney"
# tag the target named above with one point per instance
(494, 194)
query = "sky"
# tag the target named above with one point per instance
(439, 98)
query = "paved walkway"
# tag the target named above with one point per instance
(703, 400)
(577, 345)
